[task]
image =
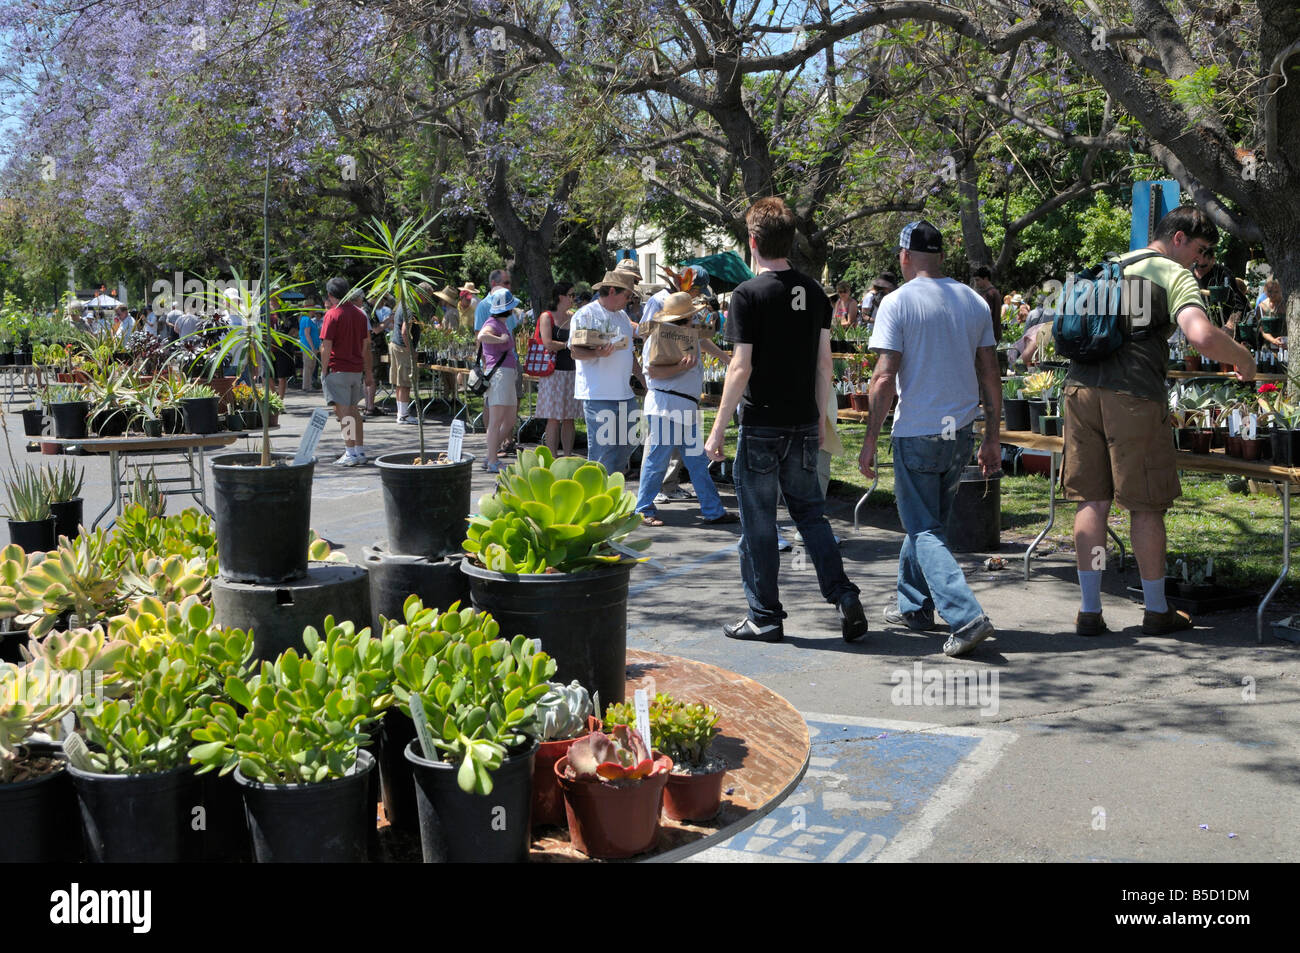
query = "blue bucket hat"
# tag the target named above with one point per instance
(502, 301)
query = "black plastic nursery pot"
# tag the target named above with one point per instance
(200, 414)
(70, 419)
(173, 420)
(327, 822)
(425, 507)
(456, 827)
(139, 818)
(1037, 408)
(393, 578)
(39, 820)
(263, 517)
(33, 421)
(110, 423)
(1017, 411)
(396, 731)
(581, 619)
(33, 535)
(225, 833)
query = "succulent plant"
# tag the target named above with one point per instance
(29, 702)
(63, 481)
(147, 732)
(552, 516)
(681, 730)
(563, 711)
(77, 577)
(616, 758)
(27, 499)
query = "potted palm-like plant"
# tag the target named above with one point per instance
(548, 556)
(474, 706)
(28, 510)
(297, 748)
(613, 790)
(426, 495)
(685, 733)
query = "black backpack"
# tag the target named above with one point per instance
(1095, 317)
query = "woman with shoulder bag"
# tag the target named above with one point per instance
(500, 366)
(555, 400)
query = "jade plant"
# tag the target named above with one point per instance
(563, 711)
(304, 717)
(681, 730)
(551, 515)
(27, 705)
(619, 758)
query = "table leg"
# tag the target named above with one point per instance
(1286, 561)
(203, 481)
(115, 495)
(1051, 516)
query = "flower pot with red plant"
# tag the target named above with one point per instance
(564, 715)
(685, 733)
(613, 790)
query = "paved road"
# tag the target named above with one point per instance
(1041, 746)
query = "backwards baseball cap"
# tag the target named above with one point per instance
(920, 236)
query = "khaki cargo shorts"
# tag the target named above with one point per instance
(399, 365)
(1118, 447)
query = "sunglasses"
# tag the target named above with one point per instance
(607, 292)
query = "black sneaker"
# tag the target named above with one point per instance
(853, 621)
(747, 630)
(917, 621)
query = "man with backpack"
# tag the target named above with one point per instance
(1119, 442)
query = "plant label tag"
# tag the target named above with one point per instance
(422, 727)
(455, 440)
(1234, 426)
(77, 752)
(642, 705)
(1250, 427)
(311, 436)
(537, 645)
(632, 553)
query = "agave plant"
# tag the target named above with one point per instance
(617, 758)
(27, 497)
(552, 515)
(63, 481)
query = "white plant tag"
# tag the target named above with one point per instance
(422, 728)
(626, 551)
(642, 705)
(311, 436)
(78, 754)
(455, 440)
(1234, 425)
(1251, 423)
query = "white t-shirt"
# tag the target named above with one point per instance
(606, 378)
(936, 325)
(687, 382)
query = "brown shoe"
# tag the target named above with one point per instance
(1165, 623)
(1089, 623)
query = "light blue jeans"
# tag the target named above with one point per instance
(666, 434)
(613, 432)
(927, 475)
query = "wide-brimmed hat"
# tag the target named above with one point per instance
(629, 265)
(617, 279)
(502, 301)
(679, 306)
(447, 295)
(468, 286)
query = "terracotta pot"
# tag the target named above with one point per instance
(1251, 449)
(1192, 364)
(694, 797)
(1201, 441)
(548, 799)
(860, 401)
(51, 449)
(608, 821)
(1232, 446)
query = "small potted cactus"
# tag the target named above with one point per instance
(613, 790)
(563, 716)
(684, 732)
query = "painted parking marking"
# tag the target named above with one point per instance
(876, 790)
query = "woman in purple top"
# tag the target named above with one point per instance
(500, 401)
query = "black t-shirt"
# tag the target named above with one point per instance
(782, 314)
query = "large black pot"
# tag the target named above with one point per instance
(33, 422)
(225, 829)
(33, 535)
(1286, 447)
(173, 420)
(139, 818)
(70, 419)
(438, 583)
(328, 822)
(425, 507)
(396, 731)
(200, 414)
(263, 517)
(456, 827)
(1017, 410)
(110, 423)
(975, 521)
(38, 818)
(581, 619)
(1037, 408)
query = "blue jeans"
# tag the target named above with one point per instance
(666, 434)
(927, 474)
(613, 433)
(773, 461)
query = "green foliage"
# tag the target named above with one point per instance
(147, 494)
(478, 258)
(31, 700)
(552, 515)
(304, 715)
(681, 730)
(26, 494)
(1105, 229)
(63, 481)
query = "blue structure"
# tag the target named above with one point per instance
(1152, 201)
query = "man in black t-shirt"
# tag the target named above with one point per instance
(779, 379)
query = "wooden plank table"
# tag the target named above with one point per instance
(190, 447)
(1215, 461)
(1222, 375)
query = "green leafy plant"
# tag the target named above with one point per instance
(26, 495)
(683, 731)
(553, 515)
(63, 481)
(620, 758)
(147, 494)
(31, 700)
(304, 716)
(1012, 387)
(195, 390)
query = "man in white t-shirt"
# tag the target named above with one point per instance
(936, 348)
(604, 377)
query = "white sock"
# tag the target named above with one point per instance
(1153, 595)
(403, 410)
(1090, 589)
(361, 451)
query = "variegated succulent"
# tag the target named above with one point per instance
(617, 758)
